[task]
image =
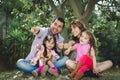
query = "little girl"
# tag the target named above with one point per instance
(84, 60)
(46, 55)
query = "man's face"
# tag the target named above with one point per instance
(56, 27)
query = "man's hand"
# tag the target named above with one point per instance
(35, 30)
(60, 45)
(67, 52)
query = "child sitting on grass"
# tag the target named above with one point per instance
(46, 55)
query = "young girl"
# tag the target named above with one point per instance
(84, 60)
(46, 55)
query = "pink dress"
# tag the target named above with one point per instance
(83, 57)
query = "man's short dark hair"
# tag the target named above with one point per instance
(61, 20)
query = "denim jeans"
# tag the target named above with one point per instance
(25, 66)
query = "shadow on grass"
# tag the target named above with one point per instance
(112, 74)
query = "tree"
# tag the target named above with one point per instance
(82, 9)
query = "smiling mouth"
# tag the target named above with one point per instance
(81, 40)
(55, 30)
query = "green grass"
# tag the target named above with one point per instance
(112, 74)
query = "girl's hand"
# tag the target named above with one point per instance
(32, 62)
(71, 42)
(54, 59)
(35, 30)
(38, 46)
(67, 51)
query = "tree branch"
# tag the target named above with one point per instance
(77, 10)
(51, 3)
(57, 9)
(89, 9)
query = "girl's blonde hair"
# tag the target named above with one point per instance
(92, 39)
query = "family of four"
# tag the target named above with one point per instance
(45, 57)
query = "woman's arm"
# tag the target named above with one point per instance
(71, 48)
(67, 45)
(92, 52)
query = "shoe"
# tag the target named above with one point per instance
(72, 74)
(44, 70)
(54, 71)
(35, 73)
(67, 77)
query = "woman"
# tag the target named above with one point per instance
(76, 28)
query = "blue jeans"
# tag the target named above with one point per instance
(25, 66)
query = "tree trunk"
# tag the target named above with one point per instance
(59, 11)
(83, 15)
(3, 26)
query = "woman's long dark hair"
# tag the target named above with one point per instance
(80, 25)
(48, 38)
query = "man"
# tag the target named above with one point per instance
(40, 33)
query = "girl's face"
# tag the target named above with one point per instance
(84, 38)
(50, 44)
(75, 31)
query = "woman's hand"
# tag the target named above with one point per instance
(54, 58)
(96, 70)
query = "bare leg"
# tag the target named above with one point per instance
(52, 70)
(41, 61)
(70, 65)
(105, 65)
(50, 64)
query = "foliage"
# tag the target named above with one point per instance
(21, 15)
(16, 44)
(106, 27)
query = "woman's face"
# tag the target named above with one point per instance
(75, 31)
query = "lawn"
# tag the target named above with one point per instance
(112, 74)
